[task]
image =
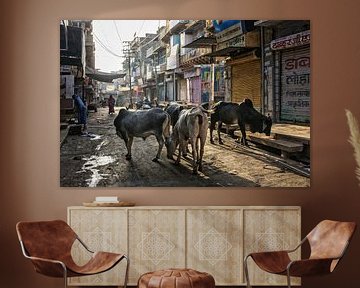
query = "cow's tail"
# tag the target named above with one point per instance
(200, 117)
(166, 126)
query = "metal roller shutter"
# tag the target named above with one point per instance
(195, 89)
(246, 82)
(183, 89)
(295, 85)
(170, 91)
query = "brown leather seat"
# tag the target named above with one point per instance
(48, 245)
(176, 278)
(328, 242)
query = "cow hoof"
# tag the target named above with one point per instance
(212, 141)
(155, 160)
(128, 158)
(177, 163)
(221, 142)
(195, 172)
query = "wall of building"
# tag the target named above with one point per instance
(30, 114)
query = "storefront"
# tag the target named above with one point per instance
(239, 42)
(194, 82)
(246, 80)
(293, 54)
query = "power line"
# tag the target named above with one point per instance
(142, 25)
(107, 50)
(117, 31)
(97, 39)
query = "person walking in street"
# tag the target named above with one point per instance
(82, 112)
(111, 104)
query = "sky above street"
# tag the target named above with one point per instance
(109, 35)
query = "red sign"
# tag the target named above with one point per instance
(291, 41)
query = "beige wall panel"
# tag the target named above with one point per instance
(156, 240)
(101, 230)
(267, 230)
(209, 239)
(214, 244)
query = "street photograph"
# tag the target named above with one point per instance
(185, 103)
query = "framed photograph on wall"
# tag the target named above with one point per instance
(176, 103)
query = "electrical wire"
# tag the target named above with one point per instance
(97, 39)
(142, 25)
(117, 31)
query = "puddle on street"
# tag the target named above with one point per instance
(105, 142)
(92, 163)
(92, 136)
(95, 137)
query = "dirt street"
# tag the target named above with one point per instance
(99, 161)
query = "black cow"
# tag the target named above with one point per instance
(174, 109)
(143, 123)
(241, 114)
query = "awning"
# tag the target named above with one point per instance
(267, 23)
(201, 42)
(102, 76)
(229, 51)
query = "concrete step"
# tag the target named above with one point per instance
(286, 147)
(282, 145)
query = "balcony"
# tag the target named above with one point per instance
(176, 26)
(195, 56)
(195, 25)
(157, 45)
(161, 68)
(149, 52)
(150, 73)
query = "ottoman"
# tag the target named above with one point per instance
(176, 278)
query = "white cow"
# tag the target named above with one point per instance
(190, 128)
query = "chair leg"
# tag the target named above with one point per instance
(127, 271)
(288, 278)
(246, 272)
(65, 275)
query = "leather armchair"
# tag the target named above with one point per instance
(48, 245)
(328, 242)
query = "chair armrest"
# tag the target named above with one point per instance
(84, 245)
(309, 267)
(298, 246)
(48, 267)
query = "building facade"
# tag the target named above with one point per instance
(197, 61)
(286, 66)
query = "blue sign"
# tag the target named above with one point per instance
(221, 25)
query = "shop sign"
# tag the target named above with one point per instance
(67, 86)
(231, 32)
(250, 39)
(291, 41)
(173, 60)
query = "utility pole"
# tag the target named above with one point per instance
(128, 52)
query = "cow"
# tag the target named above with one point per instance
(143, 123)
(174, 109)
(191, 127)
(241, 114)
